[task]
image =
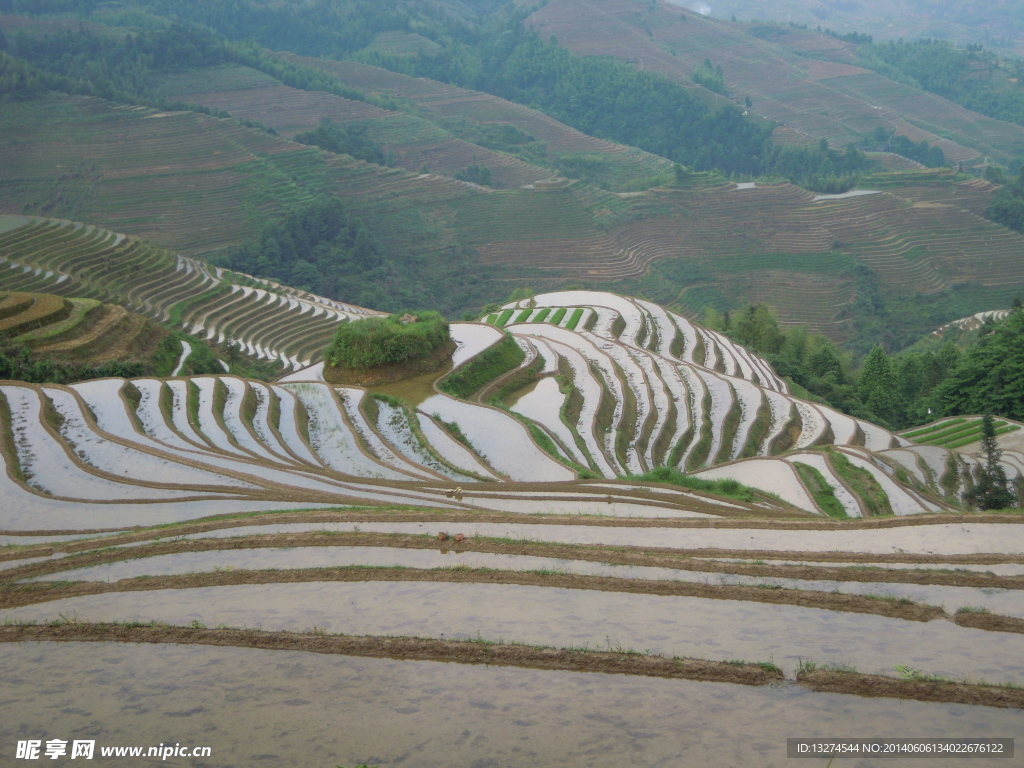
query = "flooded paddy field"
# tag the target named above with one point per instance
(664, 625)
(283, 708)
(1008, 602)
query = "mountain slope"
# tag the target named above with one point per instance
(791, 76)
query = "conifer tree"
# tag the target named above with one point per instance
(993, 488)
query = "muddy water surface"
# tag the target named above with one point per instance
(305, 709)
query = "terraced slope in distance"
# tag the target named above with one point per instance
(181, 180)
(719, 238)
(260, 318)
(411, 142)
(448, 102)
(787, 247)
(812, 96)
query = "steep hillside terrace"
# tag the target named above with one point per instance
(83, 262)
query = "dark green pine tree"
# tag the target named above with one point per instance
(993, 489)
(879, 388)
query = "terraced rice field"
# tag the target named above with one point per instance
(515, 609)
(257, 523)
(814, 94)
(75, 330)
(637, 388)
(179, 178)
(79, 266)
(774, 243)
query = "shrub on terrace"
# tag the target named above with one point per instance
(379, 341)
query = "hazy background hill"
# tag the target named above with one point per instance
(998, 24)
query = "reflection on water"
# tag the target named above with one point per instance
(672, 626)
(1004, 601)
(304, 709)
(944, 539)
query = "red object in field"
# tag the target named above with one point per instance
(442, 536)
(459, 537)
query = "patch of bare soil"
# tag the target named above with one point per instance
(13, 595)
(993, 622)
(410, 648)
(879, 686)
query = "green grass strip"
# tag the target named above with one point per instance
(522, 316)
(862, 483)
(557, 317)
(504, 317)
(959, 432)
(959, 429)
(976, 437)
(723, 487)
(823, 493)
(575, 319)
(933, 428)
(483, 369)
(541, 316)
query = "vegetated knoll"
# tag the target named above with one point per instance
(813, 97)
(380, 350)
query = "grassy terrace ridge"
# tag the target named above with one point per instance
(823, 493)
(472, 651)
(723, 487)
(955, 433)
(475, 374)
(47, 338)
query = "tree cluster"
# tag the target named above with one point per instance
(316, 247)
(897, 391)
(18, 364)
(1007, 207)
(351, 139)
